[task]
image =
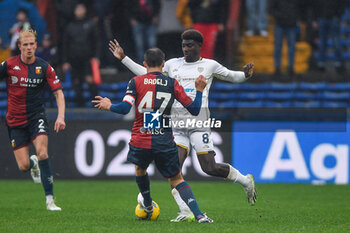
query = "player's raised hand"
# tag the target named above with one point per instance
(200, 83)
(102, 103)
(115, 48)
(59, 124)
(248, 69)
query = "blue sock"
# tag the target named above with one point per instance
(46, 176)
(144, 187)
(187, 196)
(31, 164)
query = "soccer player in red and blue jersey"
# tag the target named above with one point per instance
(26, 78)
(152, 139)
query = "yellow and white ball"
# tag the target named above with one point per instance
(142, 214)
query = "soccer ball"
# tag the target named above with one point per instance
(142, 214)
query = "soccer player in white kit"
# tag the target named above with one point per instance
(185, 70)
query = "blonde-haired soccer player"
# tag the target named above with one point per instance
(26, 77)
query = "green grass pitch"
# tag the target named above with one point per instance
(108, 206)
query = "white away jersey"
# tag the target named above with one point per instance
(186, 73)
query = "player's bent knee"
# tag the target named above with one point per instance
(209, 169)
(24, 167)
(140, 171)
(43, 156)
(182, 151)
(176, 180)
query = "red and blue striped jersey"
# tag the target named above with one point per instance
(25, 87)
(151, 92)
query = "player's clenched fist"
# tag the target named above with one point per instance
(248, 69)
(200, 83)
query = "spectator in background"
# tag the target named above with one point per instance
(209, 18)
(169, 29)
(8, 13)
(47, 10)
(308, 28)
(118, 16)
(286, 15)
(65, 15)
(183, 13)
(256, 17)
(102, 11)
(47, 51)
(144, 19)
(328, 15)
(80, 45)
(21, 24)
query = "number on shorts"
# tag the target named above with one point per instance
(205, 138)
(41, 124)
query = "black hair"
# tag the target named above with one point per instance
(80, 3)
(23, 10)
(192, 34)
(154, 57)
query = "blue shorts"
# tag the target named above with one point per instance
(167, 160)
(23, 135)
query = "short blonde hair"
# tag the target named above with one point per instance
(26, 33)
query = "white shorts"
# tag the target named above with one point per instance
(201, 141)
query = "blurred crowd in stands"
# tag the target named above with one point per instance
(72, 32)
(77, 30)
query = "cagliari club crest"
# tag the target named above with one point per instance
(200, 69)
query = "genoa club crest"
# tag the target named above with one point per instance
(38, 69)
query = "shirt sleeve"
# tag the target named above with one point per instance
(195, 106)
(128, 100)
(121, 108)
(181, 95)
(221, 72)
(3, 70)
(166, 69)
(130, 94)
(133, 66)
(52, 79)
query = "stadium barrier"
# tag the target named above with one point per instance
(273, 151)
(97, 149)
(292, 152)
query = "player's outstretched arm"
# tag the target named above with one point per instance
(118, 52)
(232, 76)
(60, 124)
(194, 107)
(106, 104)
(102, 103)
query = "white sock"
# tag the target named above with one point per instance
(236, 176)
(49, 198)
(182, 205)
